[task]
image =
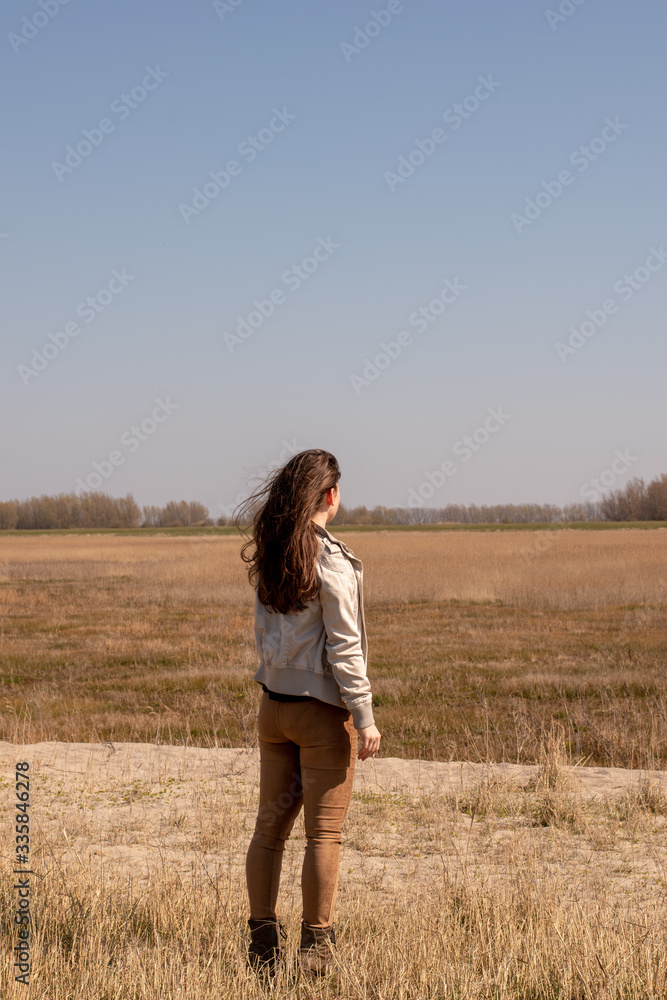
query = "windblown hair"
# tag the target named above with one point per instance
(282, 552)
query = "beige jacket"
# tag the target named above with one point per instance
(321, 651)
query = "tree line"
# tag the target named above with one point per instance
(636, 501)
(99, 510)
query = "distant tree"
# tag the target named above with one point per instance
(9, 515)
(636, 501)
(129, 512)
(152, 517)
(656, 499)
(176, 514)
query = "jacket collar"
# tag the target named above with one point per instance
(324, 533)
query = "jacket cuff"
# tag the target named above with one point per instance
(362, 715)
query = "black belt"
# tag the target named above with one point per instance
(277, 696)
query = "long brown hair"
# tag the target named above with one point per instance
(282, 551)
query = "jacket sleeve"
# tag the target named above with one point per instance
(343, 644)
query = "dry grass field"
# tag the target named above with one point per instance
(514, 882)
(534, 871)
(477, 640)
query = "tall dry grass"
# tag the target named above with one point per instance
(455, 939)
(556, 568)
(474, 894)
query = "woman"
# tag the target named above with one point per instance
(311, 640)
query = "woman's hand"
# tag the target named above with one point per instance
(370, 742)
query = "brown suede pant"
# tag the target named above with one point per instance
(307, 757)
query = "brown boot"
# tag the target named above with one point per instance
(316, 951)
(264, 952)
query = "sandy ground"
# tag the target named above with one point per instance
(128, 809)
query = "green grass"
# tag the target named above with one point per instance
(334, 528)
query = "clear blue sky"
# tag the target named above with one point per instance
(333, 120)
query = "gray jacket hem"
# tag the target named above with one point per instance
(298, 680)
